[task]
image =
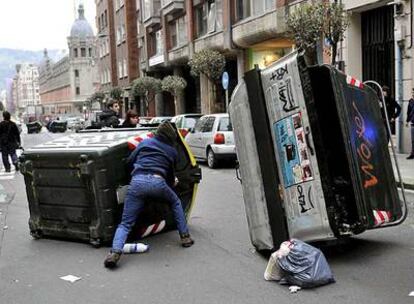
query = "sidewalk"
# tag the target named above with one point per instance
(406, 170)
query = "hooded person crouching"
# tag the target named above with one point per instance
(152, 177)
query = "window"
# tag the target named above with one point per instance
(76, 73)
(208, 126)
(123, 33)
(83, 52)
(118, 35)
(106, 18)
(77, 90)
(208, 17)
(225, 124)
(247, 8)
(147, 9)
(125, 68)
(178, 32)
(120, 67)
(90, 52)
(75, 52)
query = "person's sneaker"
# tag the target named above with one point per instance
(112, 259)
(411, 156)
(186, 240)
(16, 165)
(8, 170)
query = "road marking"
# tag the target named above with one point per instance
(7, 175)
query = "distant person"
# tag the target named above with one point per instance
(410, 119)
(131, 119)
(109, 117)
(152, 178)
(9, 141)
(392, 107)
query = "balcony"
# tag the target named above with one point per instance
(259, 28)
(214, 40)
(170, 7)
(179, 55)
(152, 13)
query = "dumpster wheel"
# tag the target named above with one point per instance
(36, 234)
(95, 242)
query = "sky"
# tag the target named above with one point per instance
(39, 24)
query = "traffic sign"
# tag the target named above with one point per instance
(225, 80)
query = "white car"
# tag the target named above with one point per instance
(212, 139)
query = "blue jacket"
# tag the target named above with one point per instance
(154, 156)
(410, 111)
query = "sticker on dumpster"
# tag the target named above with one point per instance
(293, 151)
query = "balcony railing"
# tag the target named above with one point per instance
(172, 6)
(152, 12)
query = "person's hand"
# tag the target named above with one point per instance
(392, 119)
(176, 181)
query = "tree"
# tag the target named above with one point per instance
(309, 23)
(146, 87)
(175, 85)
(335, 27)
(116, 93)
(95, 97)
(208, 62)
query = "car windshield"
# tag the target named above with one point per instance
(225, 124)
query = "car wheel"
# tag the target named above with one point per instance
(211, 159)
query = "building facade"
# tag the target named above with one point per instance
(161, 36)
(25, 87)
(378, 46)
(68, 83)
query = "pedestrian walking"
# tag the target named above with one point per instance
(152, 178)
(392, 107)
(109, 117)
(9, 141)
(131, 119)
(410, 120)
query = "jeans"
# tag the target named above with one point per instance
(141, 188)
(5, 156)
(412, 138)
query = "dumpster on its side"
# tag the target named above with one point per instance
(57, 126)
(74, 185)
(313, 154)
(34, 127)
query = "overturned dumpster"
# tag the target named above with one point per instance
(75, 186)
(34, 127)
(313, 154)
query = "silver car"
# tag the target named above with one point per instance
(212, 139)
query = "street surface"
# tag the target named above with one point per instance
(222, 267)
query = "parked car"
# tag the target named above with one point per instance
(159, 119)
(75, 123)
(185, 122)
(212, 139)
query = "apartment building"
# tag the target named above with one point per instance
(158, 37)
(26, 86)
(68, 83)
(378, 46)
(106, 46)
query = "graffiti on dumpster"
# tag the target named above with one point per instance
(292, 150)
(282, 91)
(279, 73)
(285, 93)
(364, 150)
(305, 203)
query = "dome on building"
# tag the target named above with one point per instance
(81, 27)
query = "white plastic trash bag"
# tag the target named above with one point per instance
(305, 266)
(273, 271)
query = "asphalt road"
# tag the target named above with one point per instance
(222, 267)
